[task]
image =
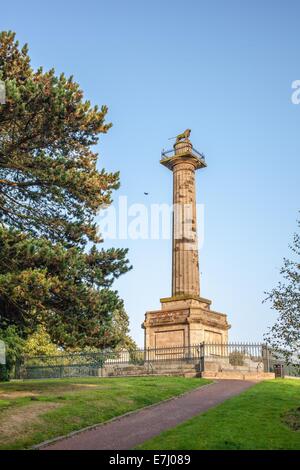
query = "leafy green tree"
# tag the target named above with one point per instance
(284, 336)
(49, 183)
(67, 290)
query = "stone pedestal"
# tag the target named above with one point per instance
(185, 319)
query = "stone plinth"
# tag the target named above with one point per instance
(184, 321)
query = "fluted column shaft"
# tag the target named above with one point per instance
(185, 263)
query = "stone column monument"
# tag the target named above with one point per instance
(185, 318)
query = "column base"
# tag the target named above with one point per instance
(184, 320)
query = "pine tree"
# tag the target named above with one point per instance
(49, 183)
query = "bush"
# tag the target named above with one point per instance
(136, 357)
(236, 358)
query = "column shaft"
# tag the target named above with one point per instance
(185, 264)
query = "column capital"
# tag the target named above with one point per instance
(183, 152)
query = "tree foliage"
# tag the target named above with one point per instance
(284, 336)
(49, 183)
(67, 290)
(52, 275)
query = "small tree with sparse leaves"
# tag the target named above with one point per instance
(284, 336)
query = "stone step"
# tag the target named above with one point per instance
(142, 371)
(238, 375)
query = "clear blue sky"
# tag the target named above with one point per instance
(223, 69)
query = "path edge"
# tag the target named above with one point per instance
(116, 418)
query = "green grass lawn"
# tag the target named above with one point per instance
(264, 417)
(37, 410)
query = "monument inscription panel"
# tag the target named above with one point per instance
(169, 338)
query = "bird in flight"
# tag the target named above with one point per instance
(146, 194)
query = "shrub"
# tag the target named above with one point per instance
(236, 358)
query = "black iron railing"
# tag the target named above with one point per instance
(252, 350)
(171, 153)
(243, 355)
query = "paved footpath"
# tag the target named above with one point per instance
(131, 430)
